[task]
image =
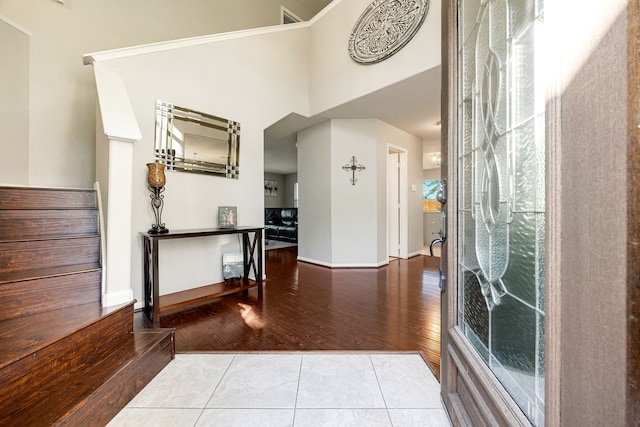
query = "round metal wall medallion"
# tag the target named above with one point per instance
(384, 28)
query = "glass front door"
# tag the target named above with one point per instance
(501, 193)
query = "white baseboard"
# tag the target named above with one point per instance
(116, 298)
(330, 265)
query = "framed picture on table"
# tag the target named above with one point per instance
(227, 216)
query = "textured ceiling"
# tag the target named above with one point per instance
(314, 6)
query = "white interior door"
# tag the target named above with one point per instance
(393, 204)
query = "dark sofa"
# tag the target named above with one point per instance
(281, 224)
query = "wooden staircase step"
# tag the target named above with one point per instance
(46, 198)
(38, 273)
(30, 295)
(64, 359)
(31, 224)
(30, 341)
(91, 395)
(26, 255)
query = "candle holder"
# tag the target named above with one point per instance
(157, 181)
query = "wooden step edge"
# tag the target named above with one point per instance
(91, 319)
(52, 237)
(199, 295)
(6, 208)
(26, 197)
(115, 380)
(43, 273)
(103, 405)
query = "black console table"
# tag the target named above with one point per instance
(252, 261)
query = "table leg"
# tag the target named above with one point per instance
(146, 269)
(245, 261)
(259, 249)
(154, 282)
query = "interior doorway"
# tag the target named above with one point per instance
(397, 214)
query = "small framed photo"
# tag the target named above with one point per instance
(270, 188)
(227, 216)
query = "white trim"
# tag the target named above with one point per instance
(403, 178)
(324, 11)
(284, 11)
(118, 119)
(420, 252)
(117, 298)
(107, 55)
(101, 229)
(330, 265)
(15, 25)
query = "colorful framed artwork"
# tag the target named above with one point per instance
(227, 216)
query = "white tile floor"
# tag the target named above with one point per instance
(289, 389)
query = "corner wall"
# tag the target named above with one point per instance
(345, 225)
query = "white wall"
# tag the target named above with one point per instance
(428, 174)
(14, 105)
(336, 78)
(314, 178)
(345, 225)
(354, 217)
(62, 98)
(204, 78)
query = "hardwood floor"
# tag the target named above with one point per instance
(309, 307)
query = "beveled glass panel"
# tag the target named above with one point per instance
(466, 168)
(523, 73)
(540, 156)
(521, 274)
(468, 71)
(522, 15)
(501, 194)
(540, 360)
(526, 167)
(515, 348)
(539, 256)
(467, 250)
(469, 21)
(466, 133)
(476, 314)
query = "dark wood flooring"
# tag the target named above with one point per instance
(309, 307)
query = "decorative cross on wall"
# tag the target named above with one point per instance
(353, 167)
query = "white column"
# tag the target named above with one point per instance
(114, 170)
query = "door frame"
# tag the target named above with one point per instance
(592, 274)
(403, 193)
(470, 391)
(393, 204)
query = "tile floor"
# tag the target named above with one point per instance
(289, 389)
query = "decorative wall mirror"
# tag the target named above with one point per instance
(191, 141)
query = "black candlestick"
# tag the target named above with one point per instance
(157, 202)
